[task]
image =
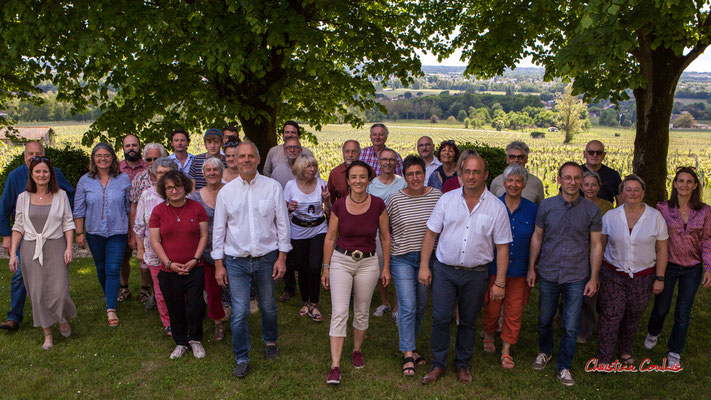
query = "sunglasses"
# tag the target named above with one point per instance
(447, 142)
(595, 152)
(231, 144)
(151, 159)
(40, 158)
(685, 168)
(517, 156)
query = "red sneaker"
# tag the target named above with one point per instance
(334, 376)
(357, 359)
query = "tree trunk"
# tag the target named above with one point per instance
(654, 103)
(262, 132)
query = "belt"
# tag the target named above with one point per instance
(478, 268)
(644, 272)
(356, 255)
(307, 224)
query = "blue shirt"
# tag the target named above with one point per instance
(185, 168)
(104, 209)
(14, 185)
(523, 223)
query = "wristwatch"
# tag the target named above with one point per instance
(660, 278)
(197, 260)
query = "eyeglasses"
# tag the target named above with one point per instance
(685, 168)
(231, 144)
(173, 188)
(425, 145)
(151, 159)
(595, 152)
(414, 174)
(517, 156)
(40, 158)
(292, 147)
(388, 160)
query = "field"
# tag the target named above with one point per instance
(688, 148)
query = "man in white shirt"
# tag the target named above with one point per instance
(250, 239)
(471, 223)
(425, 148)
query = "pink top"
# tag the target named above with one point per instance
(691, 244)
(357, 232)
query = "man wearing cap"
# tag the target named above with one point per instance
(276, 155)
(213, 145)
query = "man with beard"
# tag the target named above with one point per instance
(132, 165)
(276, 155)
(282, 172)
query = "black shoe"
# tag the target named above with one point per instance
(271, 352)
(241, 370)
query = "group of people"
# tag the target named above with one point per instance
(211, 228)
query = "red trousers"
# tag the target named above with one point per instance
(515, 299)
(214, 294)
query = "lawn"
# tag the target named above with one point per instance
(131, 361)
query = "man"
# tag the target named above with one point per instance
(276, 155)
(292, 150)
(250, 238)
(471, 223)
(610, 179)
(230, 132)
(179, 141)
(567, 238)
(369, 155)
(337, 185)
(139, 184)
(425, 148)
(213, 146)
(14, 185)
(132, 165)
(517, 153)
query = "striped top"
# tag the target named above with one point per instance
(408, 219)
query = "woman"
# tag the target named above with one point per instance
(591, 187)
(43, 222)
(448, 154)
(408, 212)
(101, 208)
(307, 199)
(354, 223)
(178, 231)
(689, 223)
(635, 240)
(232, 171)
(522, 216)
(384, 186)
(588, 314)
(212, 171)
(144, 252)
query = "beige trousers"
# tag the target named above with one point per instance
(346, 275)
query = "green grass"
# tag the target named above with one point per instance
(131, 361)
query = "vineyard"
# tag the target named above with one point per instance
(688, 148)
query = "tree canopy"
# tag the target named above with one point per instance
(195, 64)
(605, 47)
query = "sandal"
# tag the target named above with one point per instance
(315, 313)
(145, 294)
(124, 294)
(305, 310)
(489, 346)
(507, 361)
(113, 322)
(419, 360)
(628, 360)
(408, 371)
(219, 333)
(67, 330)
(46, 345)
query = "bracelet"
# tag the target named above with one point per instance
(498, 285)
(501, 282)
(168, 264)
(325, 266)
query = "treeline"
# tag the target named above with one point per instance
(50, 110)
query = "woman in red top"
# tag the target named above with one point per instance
(179, 233)
(354, 222)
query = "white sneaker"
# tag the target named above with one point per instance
(565, 377)
(650, 341)
(541, 361)
(381, 310)
(673, 359)
(198, 350)
(395, 316)
(178, 352)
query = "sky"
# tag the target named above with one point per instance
(701, 64)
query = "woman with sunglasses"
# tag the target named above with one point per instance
(689, 225)
(230, 171)
(43, 222)
(448, 154)
(101, 210)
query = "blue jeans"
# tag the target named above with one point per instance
(689, 279)
(572, 302)
(108, 255)
(240, 271)
(18, 294)
(452, 286)
(411, 297)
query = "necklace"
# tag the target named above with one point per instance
(177, 217)
(357, 202)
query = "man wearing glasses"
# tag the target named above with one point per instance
(282, 173)
(425, 148)
(610, 179)
(369, 155)
(276, 155)
(517, 153)
(14, 185)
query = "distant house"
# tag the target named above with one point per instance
(23, 134)
(552, 129)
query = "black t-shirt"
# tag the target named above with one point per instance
(610, 182)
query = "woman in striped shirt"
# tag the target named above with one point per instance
(408, 210)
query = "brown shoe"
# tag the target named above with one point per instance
(10, 325)
(463, 375)
(434, 374)
(286, 296)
